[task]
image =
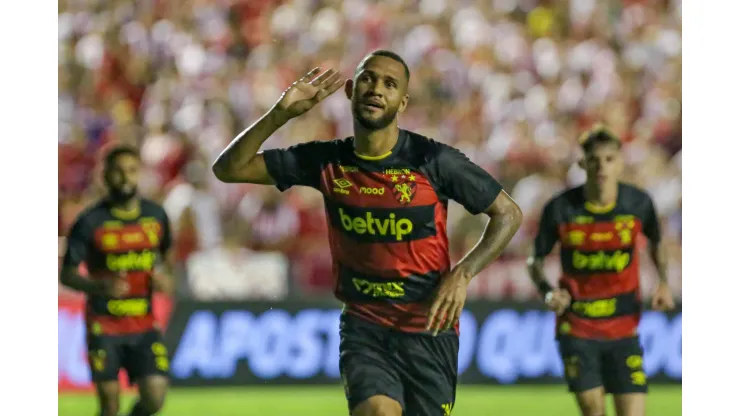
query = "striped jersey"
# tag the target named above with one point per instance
(108, 243)
(387, 218)
(599, 259)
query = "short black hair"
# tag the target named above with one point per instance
(118, 150)
(388, 54)
(597, 135)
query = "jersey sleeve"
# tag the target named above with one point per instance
(651, 223)
(547, 232)
(297, 165)
(463, 181)
(78, 243)
(166, 242)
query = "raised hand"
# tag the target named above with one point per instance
(308, 91)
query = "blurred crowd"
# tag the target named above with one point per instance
(511, 83)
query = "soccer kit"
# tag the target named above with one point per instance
(388, 237)
(121, 332)
(600, 269)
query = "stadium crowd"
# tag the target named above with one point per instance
(511, 83)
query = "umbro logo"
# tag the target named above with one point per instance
(341, 186)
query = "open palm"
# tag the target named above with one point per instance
(309, 91)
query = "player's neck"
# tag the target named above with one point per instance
(130, 206)
(377, 142)
(601, 194)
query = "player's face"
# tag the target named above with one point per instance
(604, 163)
(378, 93)
(122, 177)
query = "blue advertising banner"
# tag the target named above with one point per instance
(298, 342)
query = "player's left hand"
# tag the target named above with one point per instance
(448, 303)
(663, 298)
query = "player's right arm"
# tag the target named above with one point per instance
(547, 236)
(240, 162)
(78, 246)
(77, 250)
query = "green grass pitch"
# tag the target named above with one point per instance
(329, 401)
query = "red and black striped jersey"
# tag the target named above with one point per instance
(109, 243)
(387, 218)
(599, 259)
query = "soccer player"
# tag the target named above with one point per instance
(598, 297)
(123, 240)
(386, 192)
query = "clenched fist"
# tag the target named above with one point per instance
(558, 300)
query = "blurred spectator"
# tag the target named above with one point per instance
(232, 271)
(194, 212)
(274, 224)
(511, 83)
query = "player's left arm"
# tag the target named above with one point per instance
(505, 217)
(467, 183)
(163, 276)
(663, 298)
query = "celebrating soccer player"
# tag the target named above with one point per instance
(598, 298)
(386, 192)
(123, 240)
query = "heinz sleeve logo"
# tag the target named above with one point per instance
(383, 225)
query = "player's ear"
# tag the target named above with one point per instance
(348, 86)
(404, 103)
(582, 163)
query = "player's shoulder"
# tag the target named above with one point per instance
(96, 211)
(325, 149)
(420, 149)
(635, 200)
(632, 193)
(91, 217)
(568, 197)
(150, 208)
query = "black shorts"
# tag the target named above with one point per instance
(417, 370)
(141, 355)
(614, 364)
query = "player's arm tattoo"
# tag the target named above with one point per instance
(239, 162)
(71, 278)
(659, 257)
(505, 219)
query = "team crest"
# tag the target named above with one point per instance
(404, 191)
(152, 230)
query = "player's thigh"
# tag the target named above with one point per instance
(104, 357)
(428, 369)
(146, 356)
(591, 402)
(370, 378)
(630, 404)
(623, 368)
(582, 363)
